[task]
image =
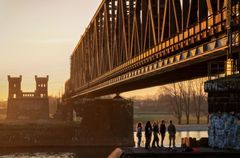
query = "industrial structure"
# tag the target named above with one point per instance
(28, 105)
(134, 44)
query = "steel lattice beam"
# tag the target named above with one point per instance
(126, 35)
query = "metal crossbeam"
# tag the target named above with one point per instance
(126, 36)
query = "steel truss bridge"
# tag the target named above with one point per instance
(133, 44)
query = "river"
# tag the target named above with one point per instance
(86, 152)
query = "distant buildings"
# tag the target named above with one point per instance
(28, 105)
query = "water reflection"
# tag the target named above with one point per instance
(179, 135)
(80, 152)
(39, 155)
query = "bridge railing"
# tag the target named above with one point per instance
(219, 69)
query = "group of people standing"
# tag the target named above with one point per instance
(155, 131)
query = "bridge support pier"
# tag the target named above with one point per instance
(107, 121)
(224, 110)
(223, 94)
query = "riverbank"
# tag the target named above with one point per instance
(57, 134)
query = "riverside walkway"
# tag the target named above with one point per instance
(173, 153)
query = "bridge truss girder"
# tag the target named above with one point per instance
(123, 33)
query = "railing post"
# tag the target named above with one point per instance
(229, 63)
(229, 67)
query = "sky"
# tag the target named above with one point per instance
(37, 37)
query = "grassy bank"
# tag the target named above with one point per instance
(158, 117)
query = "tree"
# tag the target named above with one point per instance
(186, 92)
(199, 97)
(173, 92)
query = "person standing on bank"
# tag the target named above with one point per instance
(155, 135)
(139, 134)
(162, 132)
(148, 134)
(172, 133)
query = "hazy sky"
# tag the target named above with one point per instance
(37, 37)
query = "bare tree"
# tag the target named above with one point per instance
(186, 92)
(173, 92)
(199, 97)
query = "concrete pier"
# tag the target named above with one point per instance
(223, 94)
(224, 112)
(108, 119)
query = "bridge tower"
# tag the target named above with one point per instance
(14, 92)
(28, 105)
(41, 86)
(14, 87)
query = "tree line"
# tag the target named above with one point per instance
(187, 98)
(183, 100)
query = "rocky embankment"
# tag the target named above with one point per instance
(56, 134)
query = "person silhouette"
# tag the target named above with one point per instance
(139, 133)
(172, 133)
(155, 135)
(148, 134)
(162, 132)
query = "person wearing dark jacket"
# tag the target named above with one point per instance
(155, 135)
(162, 132)
(139, 134)
(148, 134)
(172, 133)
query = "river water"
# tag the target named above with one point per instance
(83, 152)
(87, 152)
